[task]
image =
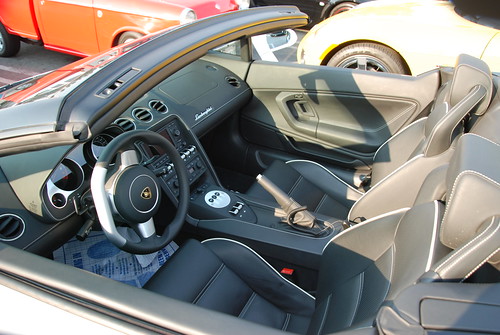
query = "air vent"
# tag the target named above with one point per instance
(142, 114)
(11, 227)
(158, 106)
(125, 124)
(233, 81)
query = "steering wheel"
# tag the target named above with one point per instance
(132, 193)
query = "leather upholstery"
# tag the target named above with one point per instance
(371, 263)
(362, 268)
(366, 266)
(228, 277)
(473, 189)
(469, 90)
(356, 276)
(487, 124)
(469, 73)
(464, 260)
(304, 181)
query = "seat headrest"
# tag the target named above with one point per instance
(470, 72)
(473, 189)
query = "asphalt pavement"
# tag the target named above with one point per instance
(31, 60)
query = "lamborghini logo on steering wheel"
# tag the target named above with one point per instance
(146, 193)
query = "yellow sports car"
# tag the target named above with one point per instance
(408, 37)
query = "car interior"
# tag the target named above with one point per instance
(314, 201)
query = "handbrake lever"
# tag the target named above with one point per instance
(295, 215)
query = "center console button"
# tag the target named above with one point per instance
(217, 199)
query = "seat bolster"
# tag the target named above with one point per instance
(187, 273)
(311, 185)
(350, 268)
(442, 132)
(488, 124)
(280, 174)
(400, 188)
(463, 261)
(469, 72)
(325, 180)
(398, 149)
(262, 277)
(473, 189)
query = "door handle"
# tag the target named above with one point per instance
(298, 113)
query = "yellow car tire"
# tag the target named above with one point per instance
(370, 57)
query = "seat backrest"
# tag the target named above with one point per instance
(372, 262)
(469, 90)
(488, 125)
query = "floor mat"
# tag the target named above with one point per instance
(96, 254)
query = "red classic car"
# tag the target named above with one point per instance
(85, 27)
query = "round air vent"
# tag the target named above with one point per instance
(125, 124)
(233, 81)
(11, 227)
(142, 114)
(158, 106)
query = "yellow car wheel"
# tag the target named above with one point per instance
(370, 57)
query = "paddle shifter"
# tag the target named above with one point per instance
(293, 213)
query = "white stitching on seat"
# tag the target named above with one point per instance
(295, 185)
(453, 189)
(451, 113)
(287, 321)
(249, 302)
(452, 261)
(433, 238)
(262, 259)
(405, 209)
(482, 137)
(324, 168)
(481, 264)
(208, 284)
(325, 311)
(397, 134)
(320, 203)
(358, 300)
(380, 182)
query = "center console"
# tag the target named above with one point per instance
(217, 212)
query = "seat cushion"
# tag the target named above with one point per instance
(228, 277)
(311, 185)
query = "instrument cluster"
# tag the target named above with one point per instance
(71, 177)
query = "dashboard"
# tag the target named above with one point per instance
(181, 108)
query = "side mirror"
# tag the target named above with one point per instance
(267, 44)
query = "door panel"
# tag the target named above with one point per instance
(337, 114)
(68, 24)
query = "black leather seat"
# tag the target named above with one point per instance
(361, 268)
(408, 155)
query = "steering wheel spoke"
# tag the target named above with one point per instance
(146, 229)
(128, 158)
